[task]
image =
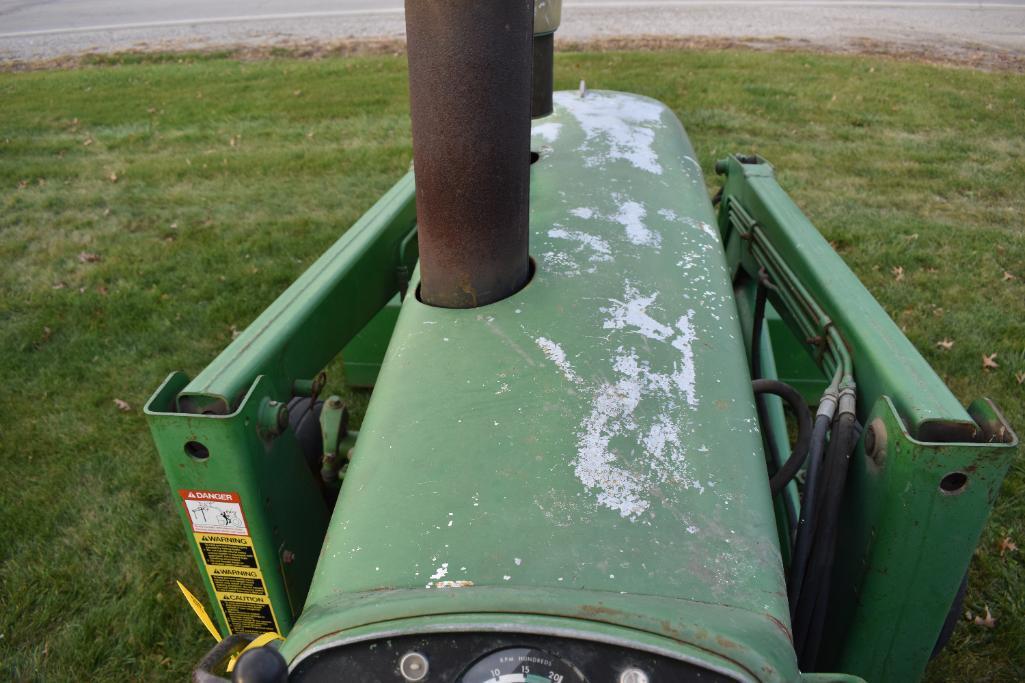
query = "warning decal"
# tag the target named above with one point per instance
(232, 583)
(226, 551)
(215, 512)
(229, 558)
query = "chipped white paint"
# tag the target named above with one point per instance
(554, 353)
(549, 132)
(581, 212)
(703, 226)
(632, 312)
(561, 262)
(440, 572)
(616, 127)
(518, 561)
(631, 216)
(600, 251)
(622, 452)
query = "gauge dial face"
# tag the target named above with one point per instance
(522, 665)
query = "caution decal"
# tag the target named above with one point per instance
(222, 536)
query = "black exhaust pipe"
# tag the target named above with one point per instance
(470, 103)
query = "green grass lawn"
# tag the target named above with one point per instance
(148, 210)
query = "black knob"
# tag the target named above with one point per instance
(262, 665)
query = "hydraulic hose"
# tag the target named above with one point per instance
(808, 517)
(775, 461)
(812, 601)
(789, 469)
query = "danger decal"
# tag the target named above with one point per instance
(222, 536)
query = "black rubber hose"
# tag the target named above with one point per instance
(775, 462)
(803, 608)
(808, 516)
(786, 473)
(814, 598)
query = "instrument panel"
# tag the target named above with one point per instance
(494, 658)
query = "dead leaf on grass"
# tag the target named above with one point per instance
(88, 257)
(1007, 545)
(898, 273)
(123, 406)
(988, 621)
(990, 362)
(112, 177)
(945, 344)
(1020, 376)
(1008, 277)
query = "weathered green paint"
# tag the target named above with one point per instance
(585, 455)
(280, 500)
(904, 543)
(587, 448)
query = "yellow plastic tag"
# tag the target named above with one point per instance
(200, 611)
(258, 641)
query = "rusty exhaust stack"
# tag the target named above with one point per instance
(470, 96)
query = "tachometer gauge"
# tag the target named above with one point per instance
(522, 665)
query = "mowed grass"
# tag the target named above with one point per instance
(150, 209)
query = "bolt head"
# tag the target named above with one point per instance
(875, 442)
(633, 675)
(413, 666)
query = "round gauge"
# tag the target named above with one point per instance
(522, 665)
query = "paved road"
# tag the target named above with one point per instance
(33, 29)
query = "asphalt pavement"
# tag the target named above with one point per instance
(43, 29)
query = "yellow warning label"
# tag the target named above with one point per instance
(234, 571)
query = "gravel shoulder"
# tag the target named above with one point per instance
(981, 35)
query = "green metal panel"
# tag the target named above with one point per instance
(586, 448)
(365, 353)
(283, 509)
(912, 517)
(794, 364)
